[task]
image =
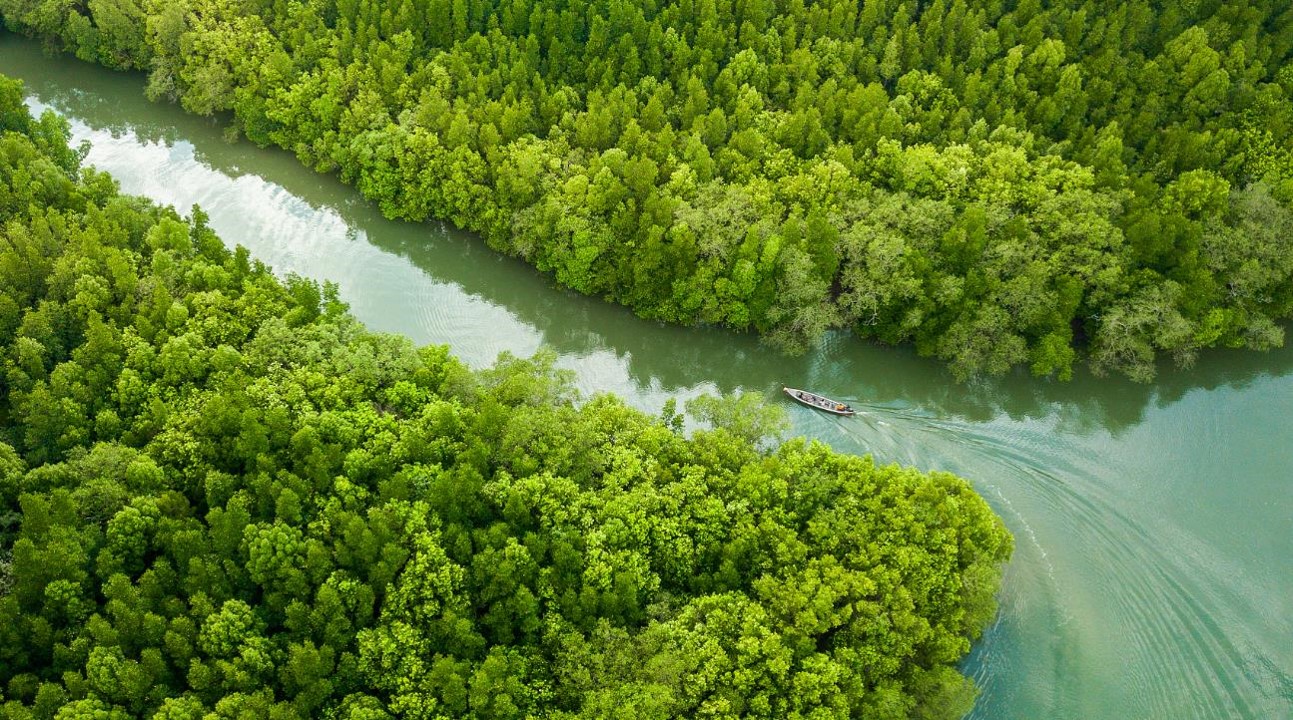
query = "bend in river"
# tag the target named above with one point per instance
(1153, 575)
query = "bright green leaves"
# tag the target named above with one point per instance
(225, 632)
(1053, 354)
(606, 145)
(130, 534)
(429, 587)
(276, 560)
(744, 415)
(223, 498)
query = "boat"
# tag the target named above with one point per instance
(818, 402)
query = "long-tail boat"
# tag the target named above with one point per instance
(819, 402)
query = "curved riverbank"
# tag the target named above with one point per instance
(1153, 574)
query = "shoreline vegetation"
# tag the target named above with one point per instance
(1000, 184)
(222, 497)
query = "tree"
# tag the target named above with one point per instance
(743, 414)
(223, 497)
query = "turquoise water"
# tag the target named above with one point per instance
(1153, 575)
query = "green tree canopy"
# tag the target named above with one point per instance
(222, 497)
(1061, 165)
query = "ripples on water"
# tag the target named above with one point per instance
(1137, 596)
(1153, 574)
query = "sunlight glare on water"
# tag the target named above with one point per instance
(1153, 574)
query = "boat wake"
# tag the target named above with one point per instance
(1153, 605)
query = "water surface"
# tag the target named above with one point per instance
(1153, 576)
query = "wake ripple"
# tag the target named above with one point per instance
(1145, 605)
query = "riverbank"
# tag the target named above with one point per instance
(1152, 576)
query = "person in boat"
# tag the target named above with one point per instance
(841, 407)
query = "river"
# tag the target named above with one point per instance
(1153, 572)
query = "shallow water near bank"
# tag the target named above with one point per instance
(1153, 575)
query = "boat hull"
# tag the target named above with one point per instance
(818, 402)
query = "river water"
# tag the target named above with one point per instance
(1153, 575)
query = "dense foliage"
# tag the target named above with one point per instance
(997, 181)
(221, 497)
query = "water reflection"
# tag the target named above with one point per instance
(656, 356)
(1151, 521)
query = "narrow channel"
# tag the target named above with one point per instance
(1153, 575)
